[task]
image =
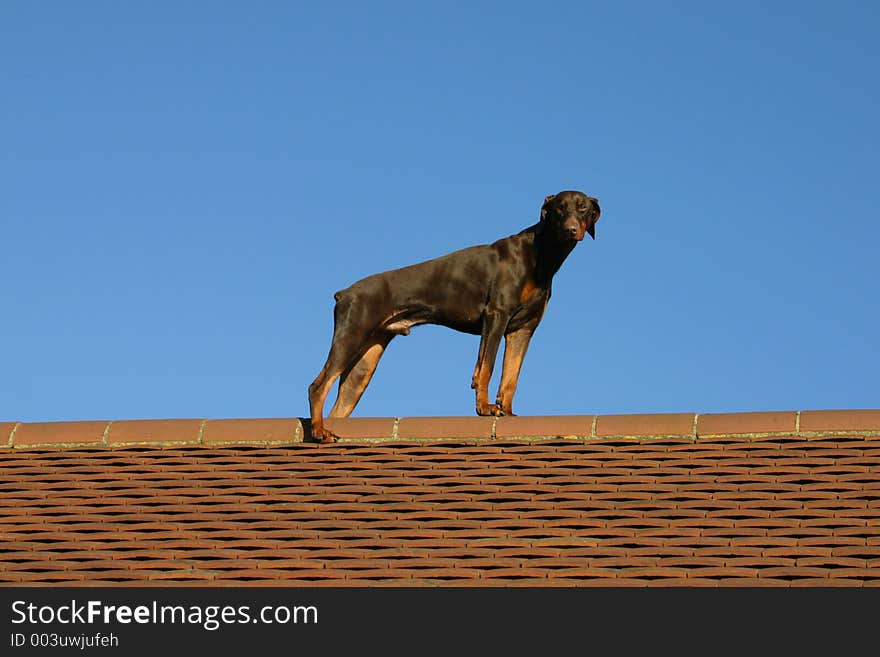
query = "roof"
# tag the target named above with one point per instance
(760, 499)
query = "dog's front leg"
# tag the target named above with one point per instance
(494, 323)
(516, 344)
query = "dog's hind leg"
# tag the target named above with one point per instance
(351, 330)
(356, 378)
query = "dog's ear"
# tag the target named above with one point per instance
(595, 211)
(546, 206)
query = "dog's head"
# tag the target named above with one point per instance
(568, 216)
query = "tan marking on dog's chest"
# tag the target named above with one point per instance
(529, 289)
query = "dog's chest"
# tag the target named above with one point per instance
(532, 302)
(532, 294)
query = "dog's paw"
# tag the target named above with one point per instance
(324, 436)
(489, 410)
(506, 410)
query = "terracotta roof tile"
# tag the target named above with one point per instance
(273, 430)
(755, 499)
(746, 423)
(154, 431)
(433, 428)
(641, 425)
(559, 425)
(60, 433)
(361, 428)
(839, 420)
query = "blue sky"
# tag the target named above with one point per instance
(185, 185)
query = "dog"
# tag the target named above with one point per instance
(491, 290)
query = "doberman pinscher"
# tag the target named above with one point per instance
(491, 290)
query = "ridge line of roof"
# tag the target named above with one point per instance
(681, 427)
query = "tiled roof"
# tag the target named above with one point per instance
(761, 499)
